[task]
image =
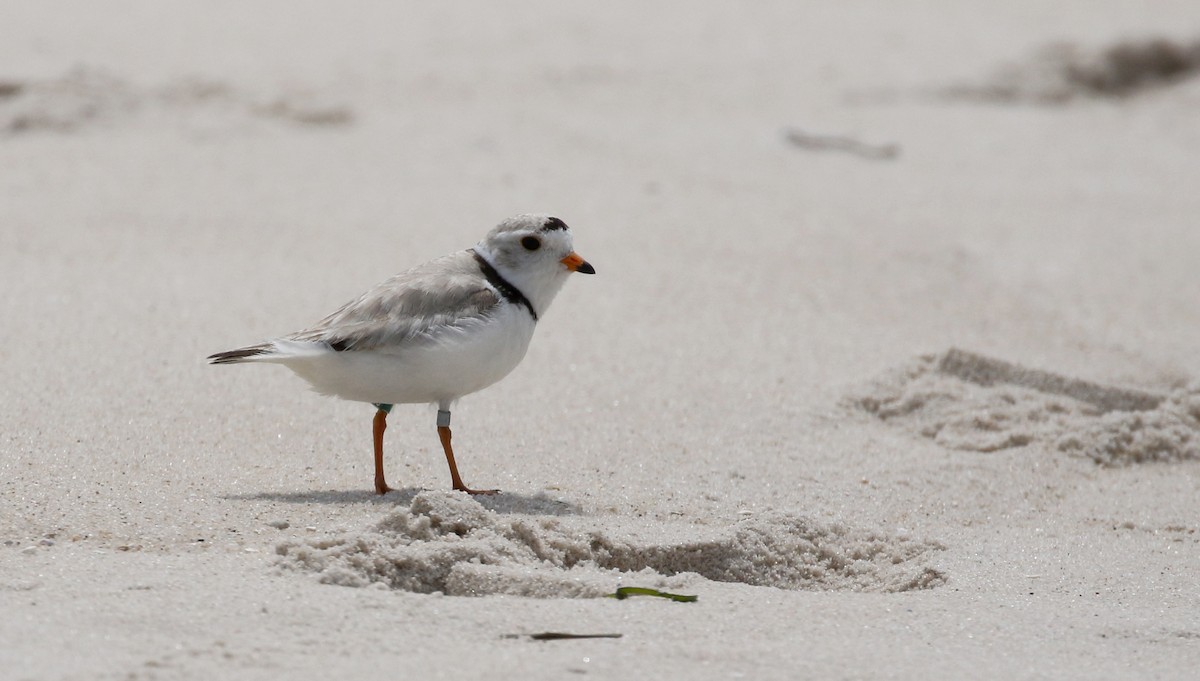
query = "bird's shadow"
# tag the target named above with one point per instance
(503, 502)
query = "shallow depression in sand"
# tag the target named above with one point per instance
(1063, 72)
(87, 97)
(447, 542)
(966, 401)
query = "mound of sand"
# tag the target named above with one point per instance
(447, 542)
(966, 401)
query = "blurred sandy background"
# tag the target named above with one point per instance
(796, 211)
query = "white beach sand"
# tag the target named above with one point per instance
(891, 357)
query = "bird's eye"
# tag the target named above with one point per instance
(531, 243)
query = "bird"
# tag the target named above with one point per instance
(434, 333)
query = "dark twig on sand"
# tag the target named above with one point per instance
(561, 636)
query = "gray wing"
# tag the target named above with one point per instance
(440, 296)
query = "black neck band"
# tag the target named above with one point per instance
(509, 292)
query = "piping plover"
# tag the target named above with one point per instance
(437, 332)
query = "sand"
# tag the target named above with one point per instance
(890, 358)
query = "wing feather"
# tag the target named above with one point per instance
(440, 297)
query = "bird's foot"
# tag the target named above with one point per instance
(381, 487)
(468, 490)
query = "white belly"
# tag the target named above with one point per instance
(457, 363)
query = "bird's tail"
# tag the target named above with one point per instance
(280, 350)
(248, 354)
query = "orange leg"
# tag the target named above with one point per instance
(381, 486)
(444, 435)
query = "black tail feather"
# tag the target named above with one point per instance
(235, 356)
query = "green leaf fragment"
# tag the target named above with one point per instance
(627, 591)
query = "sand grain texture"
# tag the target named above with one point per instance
(907, 391)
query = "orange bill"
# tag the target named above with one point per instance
(575, 263)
